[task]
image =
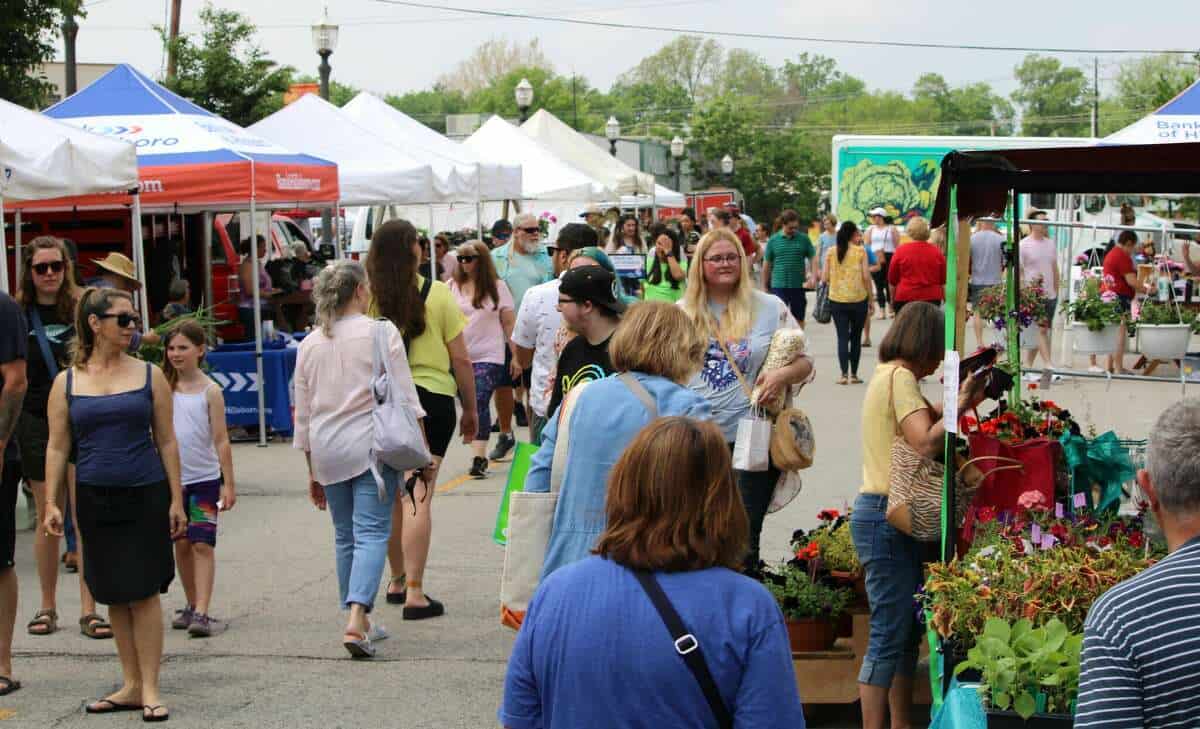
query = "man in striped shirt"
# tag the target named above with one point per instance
(1141, 645)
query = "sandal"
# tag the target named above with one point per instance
(47, 619)
(92, 624)
(842, 380)
(433, 610)
(153, 716)
(854, 380)
(70, 561)
(8, 685)
(360, 645)
(397, 598)
(866, 344)
(108, 706)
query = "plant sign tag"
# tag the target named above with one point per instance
(1048, 541)
(950, 391)
(1036, 532)
(1080, 500)
(1058, 510)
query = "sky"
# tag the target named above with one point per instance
(386, 48)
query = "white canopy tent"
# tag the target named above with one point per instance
(544, 174)
(42, 159)
(663, 197)
(571, 146)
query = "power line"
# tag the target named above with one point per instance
(770, 36)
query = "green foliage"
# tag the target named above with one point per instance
(1094, 307)
(837, 548)
(1053, 98)
(431, 106)
(1144, 84)
(1018, 661)
(569, 99)
(690, 62)
(971, 109)
(1154, 313)
(800, 598)
(204, 317)
(28, 29)
(225, 72)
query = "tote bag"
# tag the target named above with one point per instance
(398, 440)
(821, 311)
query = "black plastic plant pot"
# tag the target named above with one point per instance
(954, 653)
(1011, 720)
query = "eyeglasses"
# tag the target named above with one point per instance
(722, 260)
(564, 300)
(123, 319)
(531, 231)
(42, 269)
(466, 259)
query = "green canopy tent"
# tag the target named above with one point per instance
(989, 183)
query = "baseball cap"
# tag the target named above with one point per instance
(592, 209)
(502, 227)
(733, 207)
(594, 284)
(878, 211)
(573, 236)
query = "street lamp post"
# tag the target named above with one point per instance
(612, 130)
(324, 38)
(524, 94)
(677, 155)
(727, 170)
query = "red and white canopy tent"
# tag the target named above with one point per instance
(190, 159)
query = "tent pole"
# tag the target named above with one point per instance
(139, 261)
(17, 262)
(337, 231)
(433, 261)
(1013, 296)
(206, 257)
(949, 527)
(3, 251)
(258, 344)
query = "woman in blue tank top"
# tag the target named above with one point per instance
(114, 413)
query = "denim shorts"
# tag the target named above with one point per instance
(892, 561)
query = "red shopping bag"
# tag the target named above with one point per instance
(1002, 490)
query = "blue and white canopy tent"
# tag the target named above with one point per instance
(1176, 121)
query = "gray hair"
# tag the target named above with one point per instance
(334, 289)
(520, 220)
(299, 247)
(1173, 457)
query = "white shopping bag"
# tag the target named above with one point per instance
(752, 449)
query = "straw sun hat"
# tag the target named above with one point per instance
(120, 265)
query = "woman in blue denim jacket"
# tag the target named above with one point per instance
(893, 561)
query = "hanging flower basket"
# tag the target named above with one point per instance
(1103, 341)
(1164, 341)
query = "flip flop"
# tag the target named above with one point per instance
(376, 632)
(360, 647)
(8, 685)
(152, 717)
(108, 706)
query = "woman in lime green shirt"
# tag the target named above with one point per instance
(666, 267)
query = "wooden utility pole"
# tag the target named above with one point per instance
(172, 37)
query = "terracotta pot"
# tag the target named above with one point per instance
(812, 634)
(856, 581)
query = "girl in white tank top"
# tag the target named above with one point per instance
(206, 461)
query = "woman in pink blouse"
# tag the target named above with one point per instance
(334, 370)
(488, 305)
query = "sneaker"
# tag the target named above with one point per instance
(504, 444)
(183, 618)
(519, 414)
(478, 467)
(204, 626)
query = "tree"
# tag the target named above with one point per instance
(689, 61)
(569, 98)
(431, 107)
(745, 73)
(492, 60)
(226, 72)
(1053, 98)
(812, 80)
(650, 109)
(27, 31)
(971, 109)
(1144, 84)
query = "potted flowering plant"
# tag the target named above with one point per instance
(1097, 314)
(1164, 330)
(810, 608)
(1030, 313)
(545, 220)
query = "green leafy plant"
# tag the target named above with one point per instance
(837, 548)
(154, 353)
(1031, 308)
(1018, 661)
(1096, 306)
(801, 598)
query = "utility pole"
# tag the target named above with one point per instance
(1095, 96)
(172, 37)
(70, 29)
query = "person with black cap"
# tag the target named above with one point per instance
(537, 325)
(589, 299)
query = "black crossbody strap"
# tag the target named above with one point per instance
(687, 646)
(40, 331)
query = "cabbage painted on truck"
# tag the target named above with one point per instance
(901, 180)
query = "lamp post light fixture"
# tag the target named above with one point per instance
(524, 94)
(612, 130)
(727, 169)
(324, 38)
(677, 155)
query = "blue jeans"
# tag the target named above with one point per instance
(361, 526)
(892, 561)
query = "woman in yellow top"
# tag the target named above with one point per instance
(846, 273)
(427, 314)
(893, 405)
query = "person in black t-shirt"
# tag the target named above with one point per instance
(12, 392)
(591, 306)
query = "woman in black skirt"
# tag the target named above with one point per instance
(114, 411)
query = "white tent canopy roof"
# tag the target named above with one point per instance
(664, 197)
(1178, 120)
(473, 178)
(544, 175)
(370, 170)
(555, 135)
(42, 158)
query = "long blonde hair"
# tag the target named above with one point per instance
(739, 314)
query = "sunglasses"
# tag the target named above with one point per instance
(531, 231)
(466, 259)
(123, 319)
(42, 269)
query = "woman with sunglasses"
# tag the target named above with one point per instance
(114, 412)
(488, 305)
(48, 295)
(738, 321)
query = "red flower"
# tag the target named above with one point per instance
(1032, 385)
(828, 514)
(986, 514)
(1032, 500)
(1049, 405)
(1137, 540)
(988, 428)
(810, 551)
(969, 423)
(1060, 532)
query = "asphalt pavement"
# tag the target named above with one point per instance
(281, 663)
